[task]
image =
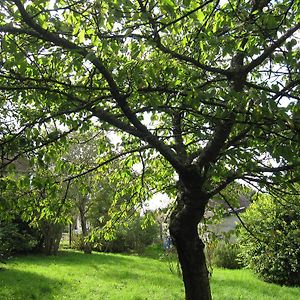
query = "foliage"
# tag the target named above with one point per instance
(15, 239)
(220, 243)
(154, 251)
(133, 235)
(161, 77)
(106, 196)
(222, 249)
(273, 247)
(37, 200)
(78, 242)
(50, 236)
(226, 255)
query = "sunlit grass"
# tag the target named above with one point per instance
(73, 275)
(242, 284)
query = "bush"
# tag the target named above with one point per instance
(78, 242)
(132, 237)
(14, 238)
(226, 255)
(272, 249)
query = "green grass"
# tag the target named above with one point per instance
(242, 284)
(72, 275)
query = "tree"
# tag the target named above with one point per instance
(207, 88)
(99, 192)
(32, 195)
(82, 191)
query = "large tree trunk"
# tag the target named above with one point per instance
(184, 222)
(50, 237)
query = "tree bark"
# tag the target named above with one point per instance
(50, 237)
(184, 222)
(87, 247)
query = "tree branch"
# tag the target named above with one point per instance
(185, 15)
(106, 162)
(157, 40)
(288, 167)
(213, 148)
(256, 62)
(223, 184)
(14, 30)
(240, 219)
(141, 130)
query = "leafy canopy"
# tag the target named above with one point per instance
(211, 86)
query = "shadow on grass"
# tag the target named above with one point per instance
(20, 285)
(256, 288)
(113, 269)
(73, 258)
(121, 267)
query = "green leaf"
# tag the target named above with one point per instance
(81, 36)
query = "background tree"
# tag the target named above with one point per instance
(207, 88)
(32, 195)
(98, 193)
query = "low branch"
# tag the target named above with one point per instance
(43, 144)
(63, 201)
(224, 184)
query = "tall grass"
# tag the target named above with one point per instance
(73, 275)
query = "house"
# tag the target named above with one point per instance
(229, 218)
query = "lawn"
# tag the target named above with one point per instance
(73, 275)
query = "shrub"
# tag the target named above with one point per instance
(272, 249)
(130, 237)
(78, 242)
(225, 255)
(14, 238)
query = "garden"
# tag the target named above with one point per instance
(149, 149)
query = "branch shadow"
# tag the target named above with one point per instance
(74, 258)
(20, 285)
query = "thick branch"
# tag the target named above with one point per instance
(14, 30)
(179, 143)
(213, 148)
(141, 130)
(256, 62)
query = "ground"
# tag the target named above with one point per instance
(73, 275)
